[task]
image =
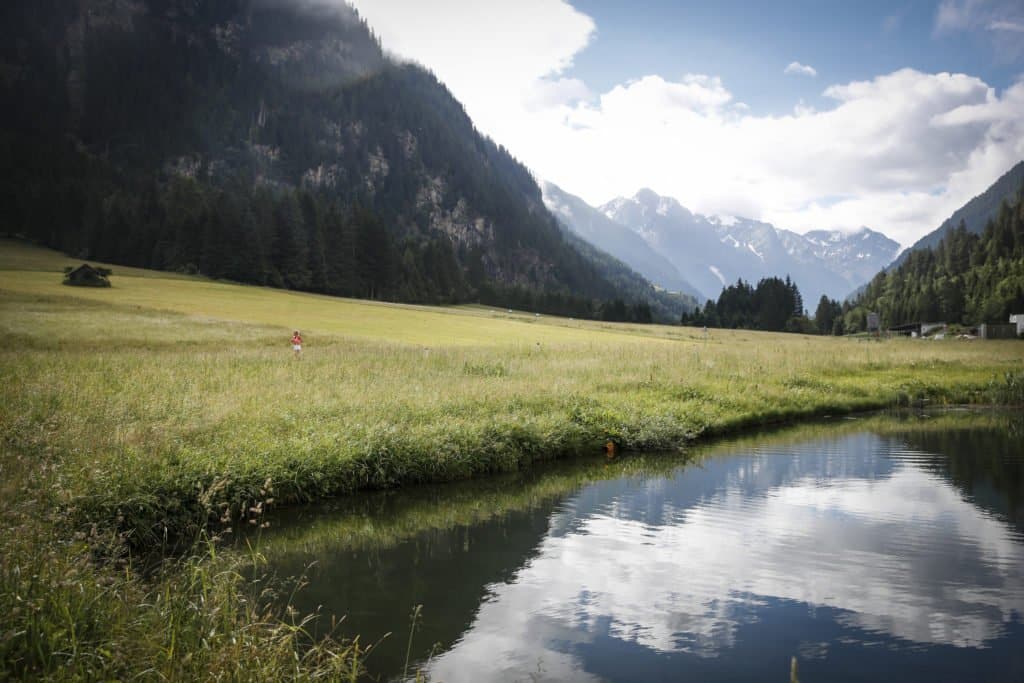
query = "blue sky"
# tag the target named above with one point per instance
(748, 44)
(810, 115)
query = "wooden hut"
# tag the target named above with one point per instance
(86, 276)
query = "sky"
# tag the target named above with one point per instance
(810, 114)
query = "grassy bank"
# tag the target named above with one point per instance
(133, 416)
(383, 519)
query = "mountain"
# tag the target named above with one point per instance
(713, 251)
(272, 142)
(966, 278)
(854, 255)
(614, 238)
(975, 214)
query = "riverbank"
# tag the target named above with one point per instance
(137, 418)
(500, 560)
(383, 519)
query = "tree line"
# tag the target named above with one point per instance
(773, 305)
(156, 145)
(967, 279)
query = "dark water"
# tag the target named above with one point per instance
(888, 548)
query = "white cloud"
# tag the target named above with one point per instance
(798, 69)
(547, 93)
(665, 99)
(903, 150)
(999, 20)
(863, 547)
(500, 59)
(1006, 26)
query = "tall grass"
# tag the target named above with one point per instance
(382, 519)
(134, 417)
(76, 605)
(169, 422)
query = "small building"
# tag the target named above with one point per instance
(86, 276)
(932, 328)
(908, 330)
(997, 331)
(1018, 320)
(873, 323)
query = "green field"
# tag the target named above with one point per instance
(140, 413)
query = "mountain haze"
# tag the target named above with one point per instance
(714, 251)
(975, 214)
(272, 142)
(967, 278)
(614, 238)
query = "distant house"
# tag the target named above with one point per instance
(997, 331)
(86, 276)
(909, 329)
(1018, 320)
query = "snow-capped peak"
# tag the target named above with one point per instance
(614, 206)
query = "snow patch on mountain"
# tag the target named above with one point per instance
(614, 206)
(830, 262)
(553, 204)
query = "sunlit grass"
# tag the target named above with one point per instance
(156, 391)
(156, 406)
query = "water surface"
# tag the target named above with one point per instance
(889, 548)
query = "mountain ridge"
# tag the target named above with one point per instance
(714, 251)
(273, 143)
(613, 238)
(975, 214)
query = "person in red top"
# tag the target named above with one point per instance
(297, 344)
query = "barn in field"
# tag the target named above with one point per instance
(86, 276)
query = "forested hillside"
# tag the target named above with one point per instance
(975, 214)
(273, 143)
(966, 279)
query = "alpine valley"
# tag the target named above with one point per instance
(276, 143)
(678, 249)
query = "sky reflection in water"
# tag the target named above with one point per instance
(892, 557)
(861, 529)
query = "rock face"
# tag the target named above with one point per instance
(713, 251)
(280, 95)
(614, 238)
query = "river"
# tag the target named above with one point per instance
(885, 547)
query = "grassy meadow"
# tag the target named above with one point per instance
(133, 417)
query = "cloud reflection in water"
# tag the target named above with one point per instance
(858, 528)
